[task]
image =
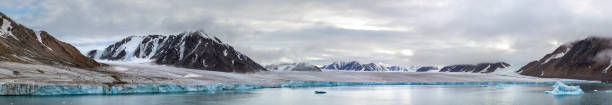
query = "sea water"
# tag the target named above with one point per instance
(517, 94)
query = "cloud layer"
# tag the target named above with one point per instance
(393, 32)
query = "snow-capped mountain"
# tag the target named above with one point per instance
(354, 66)
(590, 59)
(426, 69)
(293, 67)
(403, 68)
(399, 68)
(196, 50)
(478, 68)
(21, 44)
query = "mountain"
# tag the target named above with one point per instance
(399, 68)
(354, 66)
(584, 59)
(21, 44)
(293, 67)
(196, 50)
(478, 68)
(426, 69)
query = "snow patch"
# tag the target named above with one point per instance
(225, 52)
(486, 69)
(4, 29)
(40, 40)
(556, 56)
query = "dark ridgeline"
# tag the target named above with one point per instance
(585, 59)
(21, 44)
(195, 50)
(478, 68)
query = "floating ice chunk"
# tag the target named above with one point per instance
(608, 91)
(562, 89)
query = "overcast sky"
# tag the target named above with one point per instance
(391, 32)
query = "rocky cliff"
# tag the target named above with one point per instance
(585, 59)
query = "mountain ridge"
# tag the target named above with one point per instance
(21, 44)
(196, 50)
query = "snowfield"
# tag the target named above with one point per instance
(122, 77)
(146, 73)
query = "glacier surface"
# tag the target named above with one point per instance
(562, 89)
(25, 89)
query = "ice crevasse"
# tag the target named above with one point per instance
(562, 89)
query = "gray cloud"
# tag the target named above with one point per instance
(394, 32)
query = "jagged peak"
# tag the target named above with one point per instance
(202, 34)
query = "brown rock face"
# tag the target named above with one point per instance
(585, 59)
(21, 44)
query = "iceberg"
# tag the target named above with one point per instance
(562, 89)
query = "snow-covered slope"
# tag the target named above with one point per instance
(354, 66)
(21, 44)
(292, 67)
(198, 50)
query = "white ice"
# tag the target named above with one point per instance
(562, 89)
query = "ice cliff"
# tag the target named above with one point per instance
(25, 89)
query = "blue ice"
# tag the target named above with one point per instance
(563, 89)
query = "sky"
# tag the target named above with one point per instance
(389, 32)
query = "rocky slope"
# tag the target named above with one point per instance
(478, 68)
(293, 67)
(585, 59)
(354, 66)
(196, 50)
(21, 44)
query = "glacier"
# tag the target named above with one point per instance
(26, 89)
(562, 89)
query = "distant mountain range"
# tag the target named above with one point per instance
(21, 44)
(196, 50)
(403, 68)
(293, 67)
(589, 59)
(354, 66)
(478, 68)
